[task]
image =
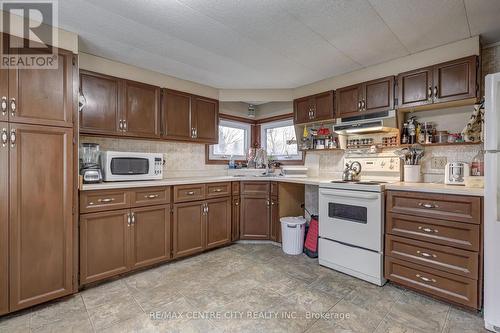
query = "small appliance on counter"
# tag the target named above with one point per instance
(127, 166)
(90, 165)
(455, 173)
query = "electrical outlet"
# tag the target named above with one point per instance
(438, 162)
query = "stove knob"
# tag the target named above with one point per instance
(391, 167)
(382, 164)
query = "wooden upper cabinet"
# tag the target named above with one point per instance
(150, 240)
(218, 222)
(378, 95)
(317, 107)
(323, 107)
(205, 119)
(176, 115)
(141, 111)
(43, 96)
(455, 80)
(4, 224)
(189, 229)
(101, 113)
(415, 87)
(302, 110)
(446, 82)
(104, 245)
(349, 100)
(41, 214)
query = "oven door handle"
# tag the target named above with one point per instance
(357, 195)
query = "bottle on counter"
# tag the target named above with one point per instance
(477, 165)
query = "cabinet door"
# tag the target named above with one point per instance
(41, 214)
(43, 96)
(150, 235)
(104, 245)
(4, 89)
(235, 219)
(455, 80)
(189, 229)
(323, 108)
(379, 95)
(176, 115)
(415, 87)
(141, 111)
(302, 110)
(205, 119)
(348, 100)
(101, 113)
(275, 221)
(254, 220)
(4, 220)
(218, 222)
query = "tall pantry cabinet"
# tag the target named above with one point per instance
(37, 184)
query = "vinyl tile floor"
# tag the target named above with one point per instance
(243, 288)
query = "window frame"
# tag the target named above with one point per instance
(246, 126)
(298, 159)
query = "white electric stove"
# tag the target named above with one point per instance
(351, 219)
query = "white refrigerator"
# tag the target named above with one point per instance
(492, 204)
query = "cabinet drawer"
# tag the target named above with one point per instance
(218, 189)
(461, 235)
(255, 188)
(150, 196)
(454, 288)
(97, 201)
(440, 257)
(184, 193)
(236, 188)
(446, 207)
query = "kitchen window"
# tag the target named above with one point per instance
(234, 141)
(279, 140)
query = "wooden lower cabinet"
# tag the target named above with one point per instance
(41, 225)
(104, 245)
(150, 240)
(275, 234)
(218, 222)
(188, 228)
(235, 220)
(255, 217)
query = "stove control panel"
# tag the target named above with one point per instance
(377, 164)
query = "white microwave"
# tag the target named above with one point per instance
(124, 166)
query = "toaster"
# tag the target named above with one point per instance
(455, 172)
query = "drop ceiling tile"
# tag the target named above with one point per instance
(484, 19)
(424, 24)
(352, 26)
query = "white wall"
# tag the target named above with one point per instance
(118, 69)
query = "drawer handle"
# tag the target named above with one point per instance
(425, 254)
(428, 205)
(151, 196)
(236, 203)
(425, 279)
(106, 200)
(428, 230)
(190, 193)
(218, 190)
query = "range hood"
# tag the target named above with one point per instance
(382, 122)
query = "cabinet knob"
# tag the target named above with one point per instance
(120, 125)
(125, 125)
(3, 105)
(13, 107)
(13, 138)
(4, 136)
(435, 92)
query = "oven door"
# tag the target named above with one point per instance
(352, 217)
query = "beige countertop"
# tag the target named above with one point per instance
(197, 180)
(402, 186)
(436, 188)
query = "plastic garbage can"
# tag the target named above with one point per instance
(292, 234)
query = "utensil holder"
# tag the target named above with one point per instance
(412, 174)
